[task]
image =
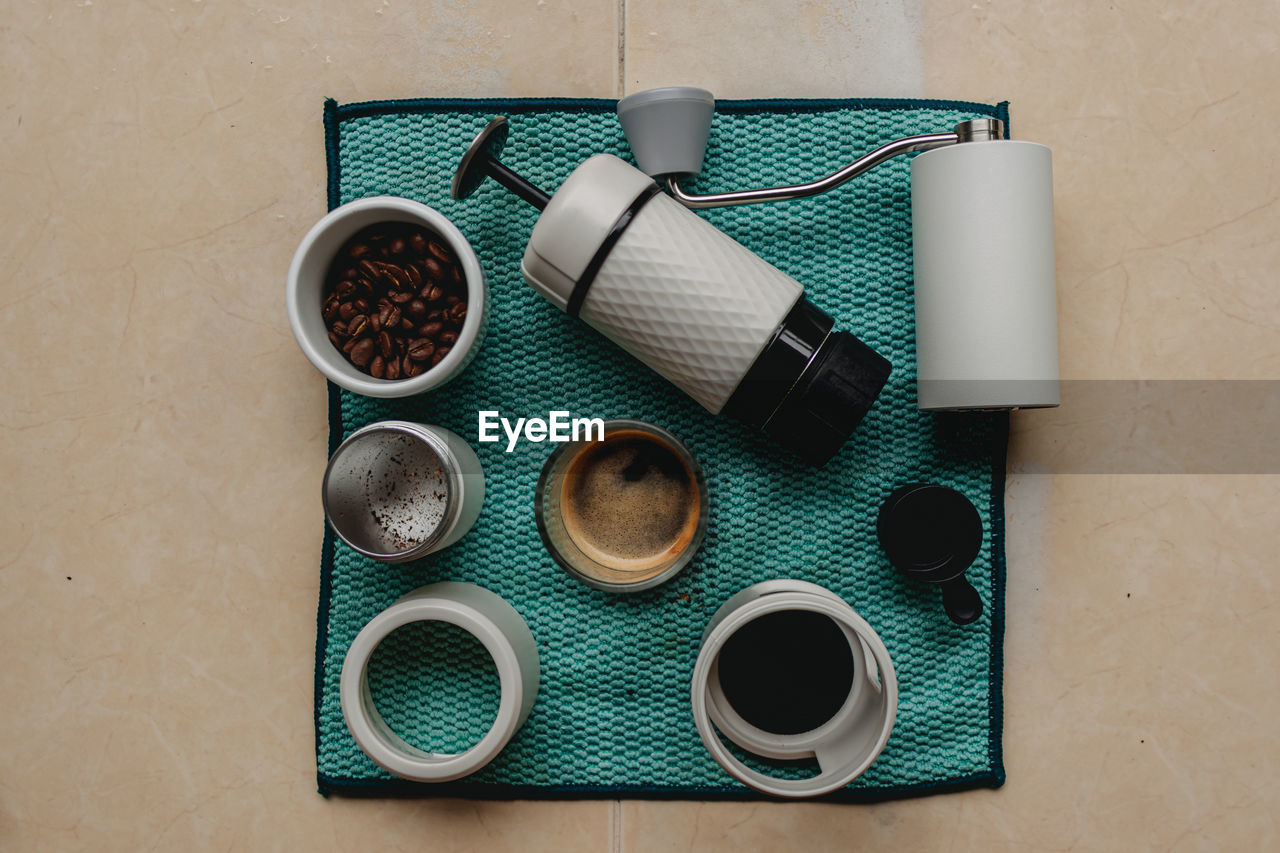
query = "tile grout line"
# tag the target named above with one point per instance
(622, 49)
(615, 827)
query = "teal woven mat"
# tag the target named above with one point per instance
(612, 716)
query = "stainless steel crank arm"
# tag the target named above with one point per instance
(974, 130)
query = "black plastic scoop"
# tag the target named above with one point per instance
(481, 161)
(932, 534)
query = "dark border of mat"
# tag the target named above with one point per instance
(334, 114)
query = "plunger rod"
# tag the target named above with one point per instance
(518, 185)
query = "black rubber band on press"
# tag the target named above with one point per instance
(588, 276)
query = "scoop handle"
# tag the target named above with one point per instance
(961, 600)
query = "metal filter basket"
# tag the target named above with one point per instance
(397, 490)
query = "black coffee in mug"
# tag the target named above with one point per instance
(787, 672)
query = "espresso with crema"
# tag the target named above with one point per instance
(630, 502)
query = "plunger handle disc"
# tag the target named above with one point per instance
(473, 168)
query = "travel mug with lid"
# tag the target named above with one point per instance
(756, 695)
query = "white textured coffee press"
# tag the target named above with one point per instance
(730, 330)
(982, 223)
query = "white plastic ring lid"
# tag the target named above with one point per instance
(846, 744)
(505, 636)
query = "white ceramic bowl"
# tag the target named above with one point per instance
(306, 286)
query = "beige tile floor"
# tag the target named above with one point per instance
(158, 569)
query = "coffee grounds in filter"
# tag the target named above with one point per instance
(407, 491)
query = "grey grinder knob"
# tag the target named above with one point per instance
(668, 128)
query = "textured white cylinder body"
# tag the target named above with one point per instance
(986, 299)
(674, 291)
(688, 300)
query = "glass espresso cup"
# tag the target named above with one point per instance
(625, 513)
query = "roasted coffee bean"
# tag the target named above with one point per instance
(415, 277)
(330, 308)
(377, 367)
(346, 289)
(335, 340)
(384, 344)
(393, 368)
(339, 328)
(359, 250)
(421, 349)
(358, 326)
(452, 299)
(440, 354)
(417, 310)
(351, 342)
(432, 329)
(389, 314)
(361, 305)
(439, 252)
(434, 269)
(457, 313)
(369, 270)
(362, 352)
(435, 316)
(346, 311)
(447, 339)
(351, 273)
(397, 246)
(400, 297)
(397, 276)
(435, 294)
(418, 242)
(411, 368)
(406, 324)
(455, 275)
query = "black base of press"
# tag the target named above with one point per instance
(810, 387)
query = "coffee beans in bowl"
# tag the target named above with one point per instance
(386, 297)
(395, 300)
